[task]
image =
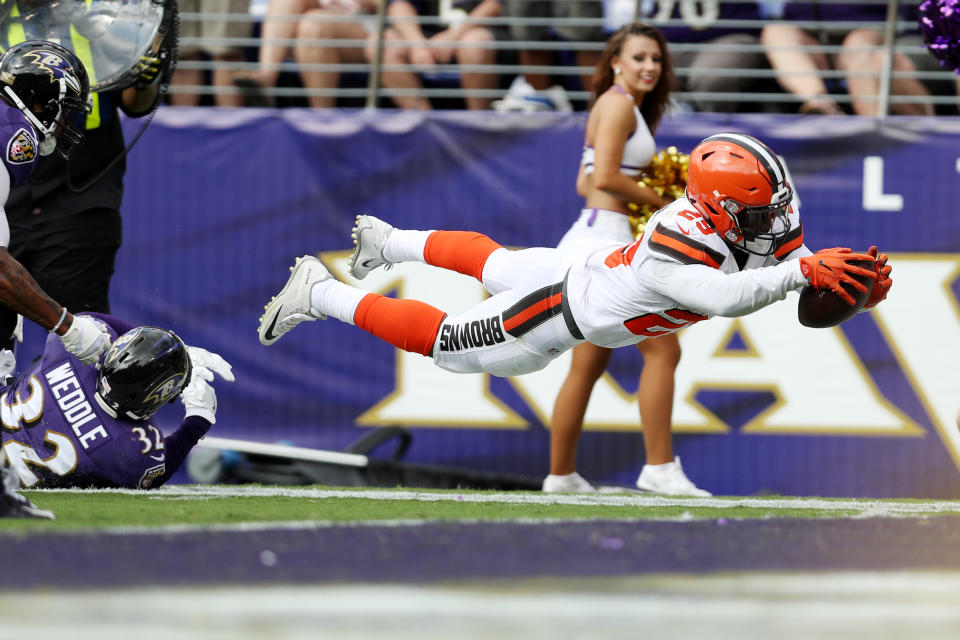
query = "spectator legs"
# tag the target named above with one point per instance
(536, 58)
(404, 80)
(854, 58)
(588, 59)
(473, 55)
(306, 54)
(223, 79)
(186, 77)
(796, 69)
(272, 53)
(544, 58)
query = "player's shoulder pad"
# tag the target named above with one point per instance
(680, 233)
(794, 238)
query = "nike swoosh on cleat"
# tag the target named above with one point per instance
(268, 334)
(366, 263)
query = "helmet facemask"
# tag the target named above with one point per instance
(765, 225)
(70, 126)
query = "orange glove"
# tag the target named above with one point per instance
(829, 268)
(882, 286)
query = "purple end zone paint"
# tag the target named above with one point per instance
(457, 552)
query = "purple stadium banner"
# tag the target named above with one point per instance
(219, 202)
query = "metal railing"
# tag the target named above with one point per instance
(371, 93)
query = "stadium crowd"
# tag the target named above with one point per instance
(810, 56)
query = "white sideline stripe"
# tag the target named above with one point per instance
(317, 525)
(866, 508)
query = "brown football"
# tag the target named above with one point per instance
(820, 308)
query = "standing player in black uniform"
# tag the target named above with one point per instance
(65, 220)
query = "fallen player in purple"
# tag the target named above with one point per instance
(65, 424)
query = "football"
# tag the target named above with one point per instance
(821, 308)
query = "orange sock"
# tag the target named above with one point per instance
(462, 251)
(410, 325)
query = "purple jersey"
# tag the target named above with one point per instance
(19, 144)
(56, 434)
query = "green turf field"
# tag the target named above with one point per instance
(204, 505)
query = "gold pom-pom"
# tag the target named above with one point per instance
(667, 175)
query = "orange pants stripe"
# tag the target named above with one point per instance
(410, 325)
(465, 252)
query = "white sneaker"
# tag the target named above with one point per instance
(524, 98)
(292, 305)
(573, 483)
(369, 237)
(668, 479)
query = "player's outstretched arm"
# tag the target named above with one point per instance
(20, 292)
(82, 336)
(200, 404)
(712, 292)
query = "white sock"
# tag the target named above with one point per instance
(336, 299)
(665, 466)
(405, 245)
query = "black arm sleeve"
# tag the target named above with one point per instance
(179, 443)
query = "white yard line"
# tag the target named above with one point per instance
(865, 507)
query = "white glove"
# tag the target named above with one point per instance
(86, 339)
(198, 397)
(209, 360)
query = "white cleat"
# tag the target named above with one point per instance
(669, 480)
(292, 305)
(369, 237)
(572, 483)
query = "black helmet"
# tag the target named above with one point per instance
(49, 85)
(142, 370)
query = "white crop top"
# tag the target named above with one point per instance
(637, 152)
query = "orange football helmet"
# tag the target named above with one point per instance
(740, 185)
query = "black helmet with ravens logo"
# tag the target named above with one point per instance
(49, 84)
(142, 370)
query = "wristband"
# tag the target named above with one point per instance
(63, 316)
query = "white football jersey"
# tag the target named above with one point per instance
(679, 272)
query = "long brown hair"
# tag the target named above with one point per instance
(654, 103)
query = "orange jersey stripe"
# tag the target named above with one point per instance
(700, 254)
(538, 307)
(792, 242)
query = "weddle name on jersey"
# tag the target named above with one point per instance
(75, 434)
